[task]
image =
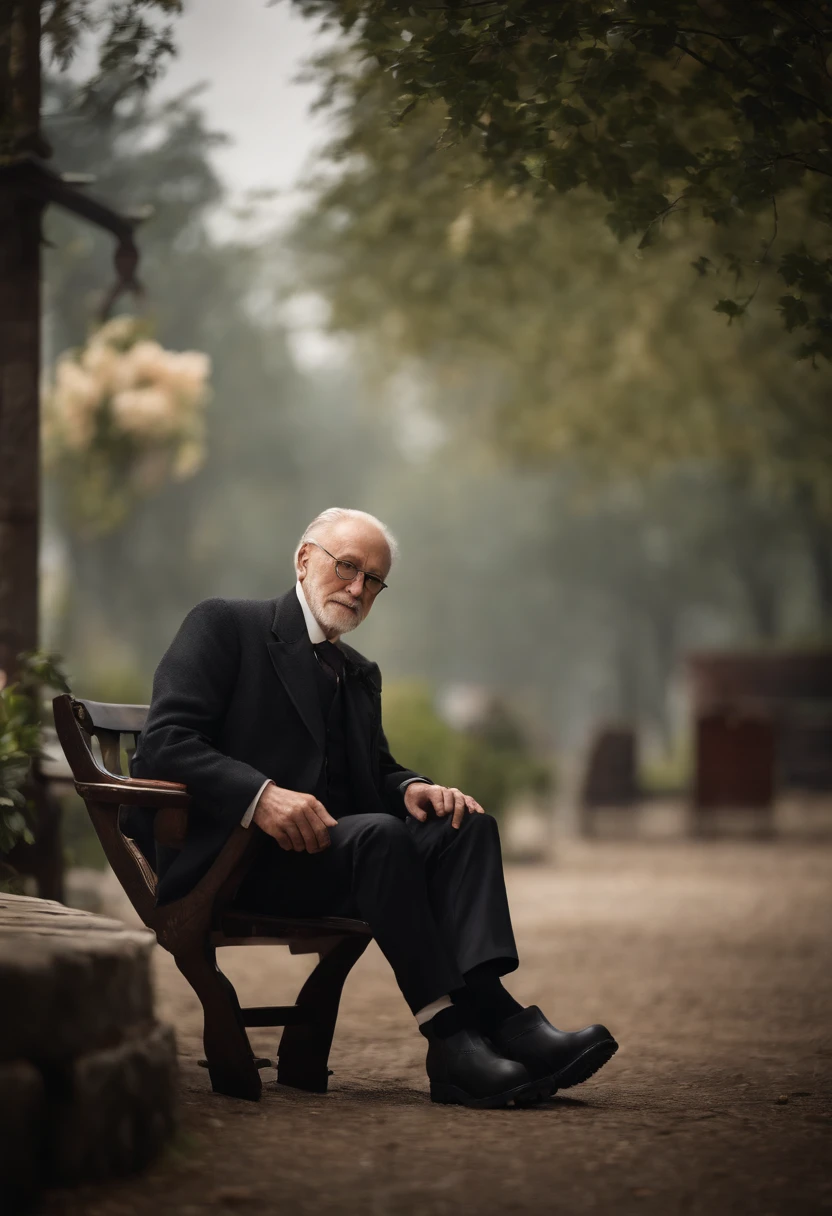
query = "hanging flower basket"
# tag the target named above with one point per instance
(122, 418)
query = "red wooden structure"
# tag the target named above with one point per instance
(763, 722)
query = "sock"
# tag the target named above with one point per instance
(485, 994)
(444, 1023)
(428, 1011)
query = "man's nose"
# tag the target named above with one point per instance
(356, 587)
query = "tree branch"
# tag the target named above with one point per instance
(731, 41)
(799, 161)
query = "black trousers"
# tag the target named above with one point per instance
(434, 896)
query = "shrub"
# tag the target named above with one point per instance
(20, 741)
(492, 762)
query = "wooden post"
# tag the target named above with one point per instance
(20, 225)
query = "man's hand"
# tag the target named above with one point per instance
(296, 821)
(420, 798)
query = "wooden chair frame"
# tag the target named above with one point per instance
(193, 928)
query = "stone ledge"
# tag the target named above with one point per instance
(116, 1110)
(22, 1118)
(87, 1077)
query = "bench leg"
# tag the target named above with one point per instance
(304, 1048)
(231, 1064)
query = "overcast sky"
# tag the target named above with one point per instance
(249, 55)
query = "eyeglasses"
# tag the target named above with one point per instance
(348, 571)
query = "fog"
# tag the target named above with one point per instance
(570, 592)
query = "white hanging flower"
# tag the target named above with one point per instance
(124, 415)
(146, 412)
(101, 362)
(186, 374)
(75, 399)
(143, 363)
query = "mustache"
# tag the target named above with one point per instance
(351, 607)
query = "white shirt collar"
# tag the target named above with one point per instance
(316, 634)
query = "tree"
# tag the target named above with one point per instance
(724, 111)
(132, 45)
(515, 319)
(523, 313)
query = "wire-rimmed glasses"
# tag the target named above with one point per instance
(348, 571)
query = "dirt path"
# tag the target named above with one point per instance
(710, 962)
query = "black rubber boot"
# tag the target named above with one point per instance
(465, 1070)
(563, 1058)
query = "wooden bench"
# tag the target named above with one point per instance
(194, 927)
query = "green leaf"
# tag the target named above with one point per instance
(573, 116)
(535, 165)
(730, 308)
(794, 312)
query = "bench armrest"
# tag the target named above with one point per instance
(136, 791)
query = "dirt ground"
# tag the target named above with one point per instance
(710, 962)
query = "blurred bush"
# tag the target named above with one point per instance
(21, 718)
(670, 773)
(112, 675)
(491, 761)
(81, 845)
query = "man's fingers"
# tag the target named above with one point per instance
(459, 807)
(446, 801)
(282, 839)
(318, 830)
(307, 833)
(324, 815)
(291, 830)
(436, 794)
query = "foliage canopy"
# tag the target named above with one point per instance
(721, 110)
(521, 317)
(133, 41)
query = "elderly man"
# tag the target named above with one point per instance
(271, 719)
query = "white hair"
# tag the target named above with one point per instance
(333, 514)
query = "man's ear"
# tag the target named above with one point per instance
(303, 559)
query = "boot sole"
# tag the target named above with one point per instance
(522, 1095)
(584, 1066)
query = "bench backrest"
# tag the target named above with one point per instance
(117, 728)
(106, 791)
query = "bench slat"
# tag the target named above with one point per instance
(104, 716)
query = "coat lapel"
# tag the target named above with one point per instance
(293, 660)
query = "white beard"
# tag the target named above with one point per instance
(333, 618)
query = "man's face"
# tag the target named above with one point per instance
(336, 605)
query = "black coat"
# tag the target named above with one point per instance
(234, 702)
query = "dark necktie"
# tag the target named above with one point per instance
(330, 659)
